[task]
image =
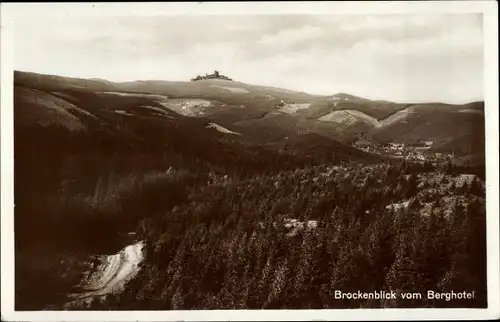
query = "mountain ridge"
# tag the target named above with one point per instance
(18, 73)
(235, 105)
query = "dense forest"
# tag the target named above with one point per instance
(229, 225)
(227, 246)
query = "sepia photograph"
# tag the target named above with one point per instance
(234, 157)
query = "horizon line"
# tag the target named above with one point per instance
(317, 94)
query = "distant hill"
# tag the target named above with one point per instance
(263, 113)
(199, 117)
(441, 123)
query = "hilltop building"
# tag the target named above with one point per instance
(215, 75)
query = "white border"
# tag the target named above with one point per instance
(23, 11)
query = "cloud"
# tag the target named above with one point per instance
(395, 57)
(289, 37)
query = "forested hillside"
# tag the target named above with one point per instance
(228, 219)
(291, 239)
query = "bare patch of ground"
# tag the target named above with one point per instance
(232, 89)
(110, 275)
(221, 129)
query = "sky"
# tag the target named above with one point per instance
(403, 58)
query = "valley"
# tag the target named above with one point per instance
(217, 194)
